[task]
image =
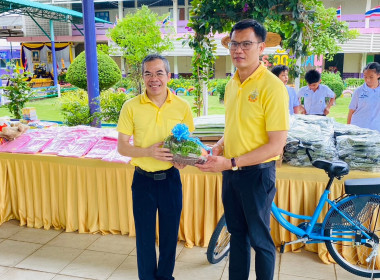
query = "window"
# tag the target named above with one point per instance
(103, 15)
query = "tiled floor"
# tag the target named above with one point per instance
(37, 254)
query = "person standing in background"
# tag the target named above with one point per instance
(364, 109)
(282, 72)
(156, 185)
(315, 94)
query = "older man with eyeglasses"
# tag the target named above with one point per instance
(257, 120)
(156, 185)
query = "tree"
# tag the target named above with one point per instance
(138, 35)
(17, 89)
(109, 72)
(305, 26)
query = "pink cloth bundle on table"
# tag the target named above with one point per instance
(35, 145)
(114, 156)
(13, 146)
(58, 144)
(103, 147)
(80, 147)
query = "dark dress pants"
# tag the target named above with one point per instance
(247, 197)
(150, 196)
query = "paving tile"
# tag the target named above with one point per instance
(65, 277)
(50, 259)
(127, 270)
(191, 271)
(343, 274)
(9, 228)
(21, 274)
(197, 255)
(74, 240)
(12, 252)
(293, 277)
(114, 243)
(92, 264)
(34, 235)
(3, 269)
(306, 263)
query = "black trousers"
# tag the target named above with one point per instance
(247, 197)
(153, 192)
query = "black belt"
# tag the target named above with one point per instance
(157, 175)
(257, 166)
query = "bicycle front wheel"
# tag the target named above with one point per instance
(219, 244)
(356, 254)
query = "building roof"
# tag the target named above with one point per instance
(40, 10)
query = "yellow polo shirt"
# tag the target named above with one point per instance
(150, 124)
(254, 107)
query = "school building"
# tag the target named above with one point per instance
(350, 62)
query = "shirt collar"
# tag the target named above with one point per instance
(254, 75)
(144, 99)
(367, 88)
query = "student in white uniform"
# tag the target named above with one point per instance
(364, 109)
(315, 94)
(282, 72)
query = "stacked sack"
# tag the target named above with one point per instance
(311, 130)
(359, 147)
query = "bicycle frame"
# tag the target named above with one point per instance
(316, 237)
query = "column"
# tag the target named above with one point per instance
(121, 16)
(91, 58)
(367, 8)
(54, 61)
(186, 9)
(175, 67)
(175, 14)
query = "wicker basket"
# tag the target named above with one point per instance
(189, 160)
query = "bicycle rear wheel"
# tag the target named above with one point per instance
(219, 244)
(352, 253)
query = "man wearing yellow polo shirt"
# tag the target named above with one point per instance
(257, 120)
(156, 184)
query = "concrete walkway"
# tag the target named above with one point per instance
(37, 254)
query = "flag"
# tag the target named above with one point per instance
(375, 12)
(339, 12)
(26, 65)
(166, 20)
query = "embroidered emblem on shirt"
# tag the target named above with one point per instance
(253, 96)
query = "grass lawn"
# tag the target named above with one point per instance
(48, 109)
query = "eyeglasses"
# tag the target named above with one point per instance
(159, 75)
(245, 45)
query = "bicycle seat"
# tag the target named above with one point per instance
(362, 186)
(333, 168)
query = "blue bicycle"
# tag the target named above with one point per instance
(350, 228)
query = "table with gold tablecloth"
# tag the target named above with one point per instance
(91, 196)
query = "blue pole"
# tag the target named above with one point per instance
(91, 59)
(54, 61)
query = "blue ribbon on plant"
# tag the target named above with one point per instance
(181, 132)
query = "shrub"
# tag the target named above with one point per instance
(333, 81)
(111, 103)
(109, 72)
(75, 109)
(17, 90)
(123, 83)
(180, 83)
(221, 88)
(353, 82)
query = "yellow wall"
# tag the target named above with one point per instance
(352, 63)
